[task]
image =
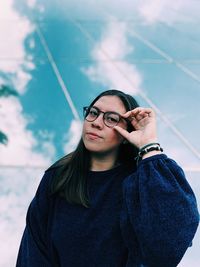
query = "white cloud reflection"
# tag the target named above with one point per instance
(15, 66)
(110, 54)
(14, 30)
(72, 137)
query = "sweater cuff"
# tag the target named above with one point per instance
(152, 158)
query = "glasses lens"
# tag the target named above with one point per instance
(91, 114)
(111, 119)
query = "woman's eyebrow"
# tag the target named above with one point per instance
(107, 110)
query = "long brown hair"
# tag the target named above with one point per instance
(69, 180)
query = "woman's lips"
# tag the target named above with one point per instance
(93, 136)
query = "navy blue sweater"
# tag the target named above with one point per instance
(144, 218)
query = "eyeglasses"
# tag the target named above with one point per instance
(110, 118)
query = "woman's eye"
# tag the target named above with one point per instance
(112, 119)
(93, 113)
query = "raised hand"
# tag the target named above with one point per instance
(144, 122)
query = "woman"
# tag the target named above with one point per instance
(116, 201)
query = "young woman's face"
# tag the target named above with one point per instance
(98, 137)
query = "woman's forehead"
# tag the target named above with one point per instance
(110, 103)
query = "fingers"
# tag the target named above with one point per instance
(139, 113)
(122, 131)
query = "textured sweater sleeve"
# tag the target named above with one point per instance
(33, 249)
(159, 217)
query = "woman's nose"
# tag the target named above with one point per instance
(98, 122)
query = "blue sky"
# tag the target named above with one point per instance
(149, 49)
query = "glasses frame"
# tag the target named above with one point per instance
(85, 110)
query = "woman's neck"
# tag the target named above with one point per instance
(102, 163)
